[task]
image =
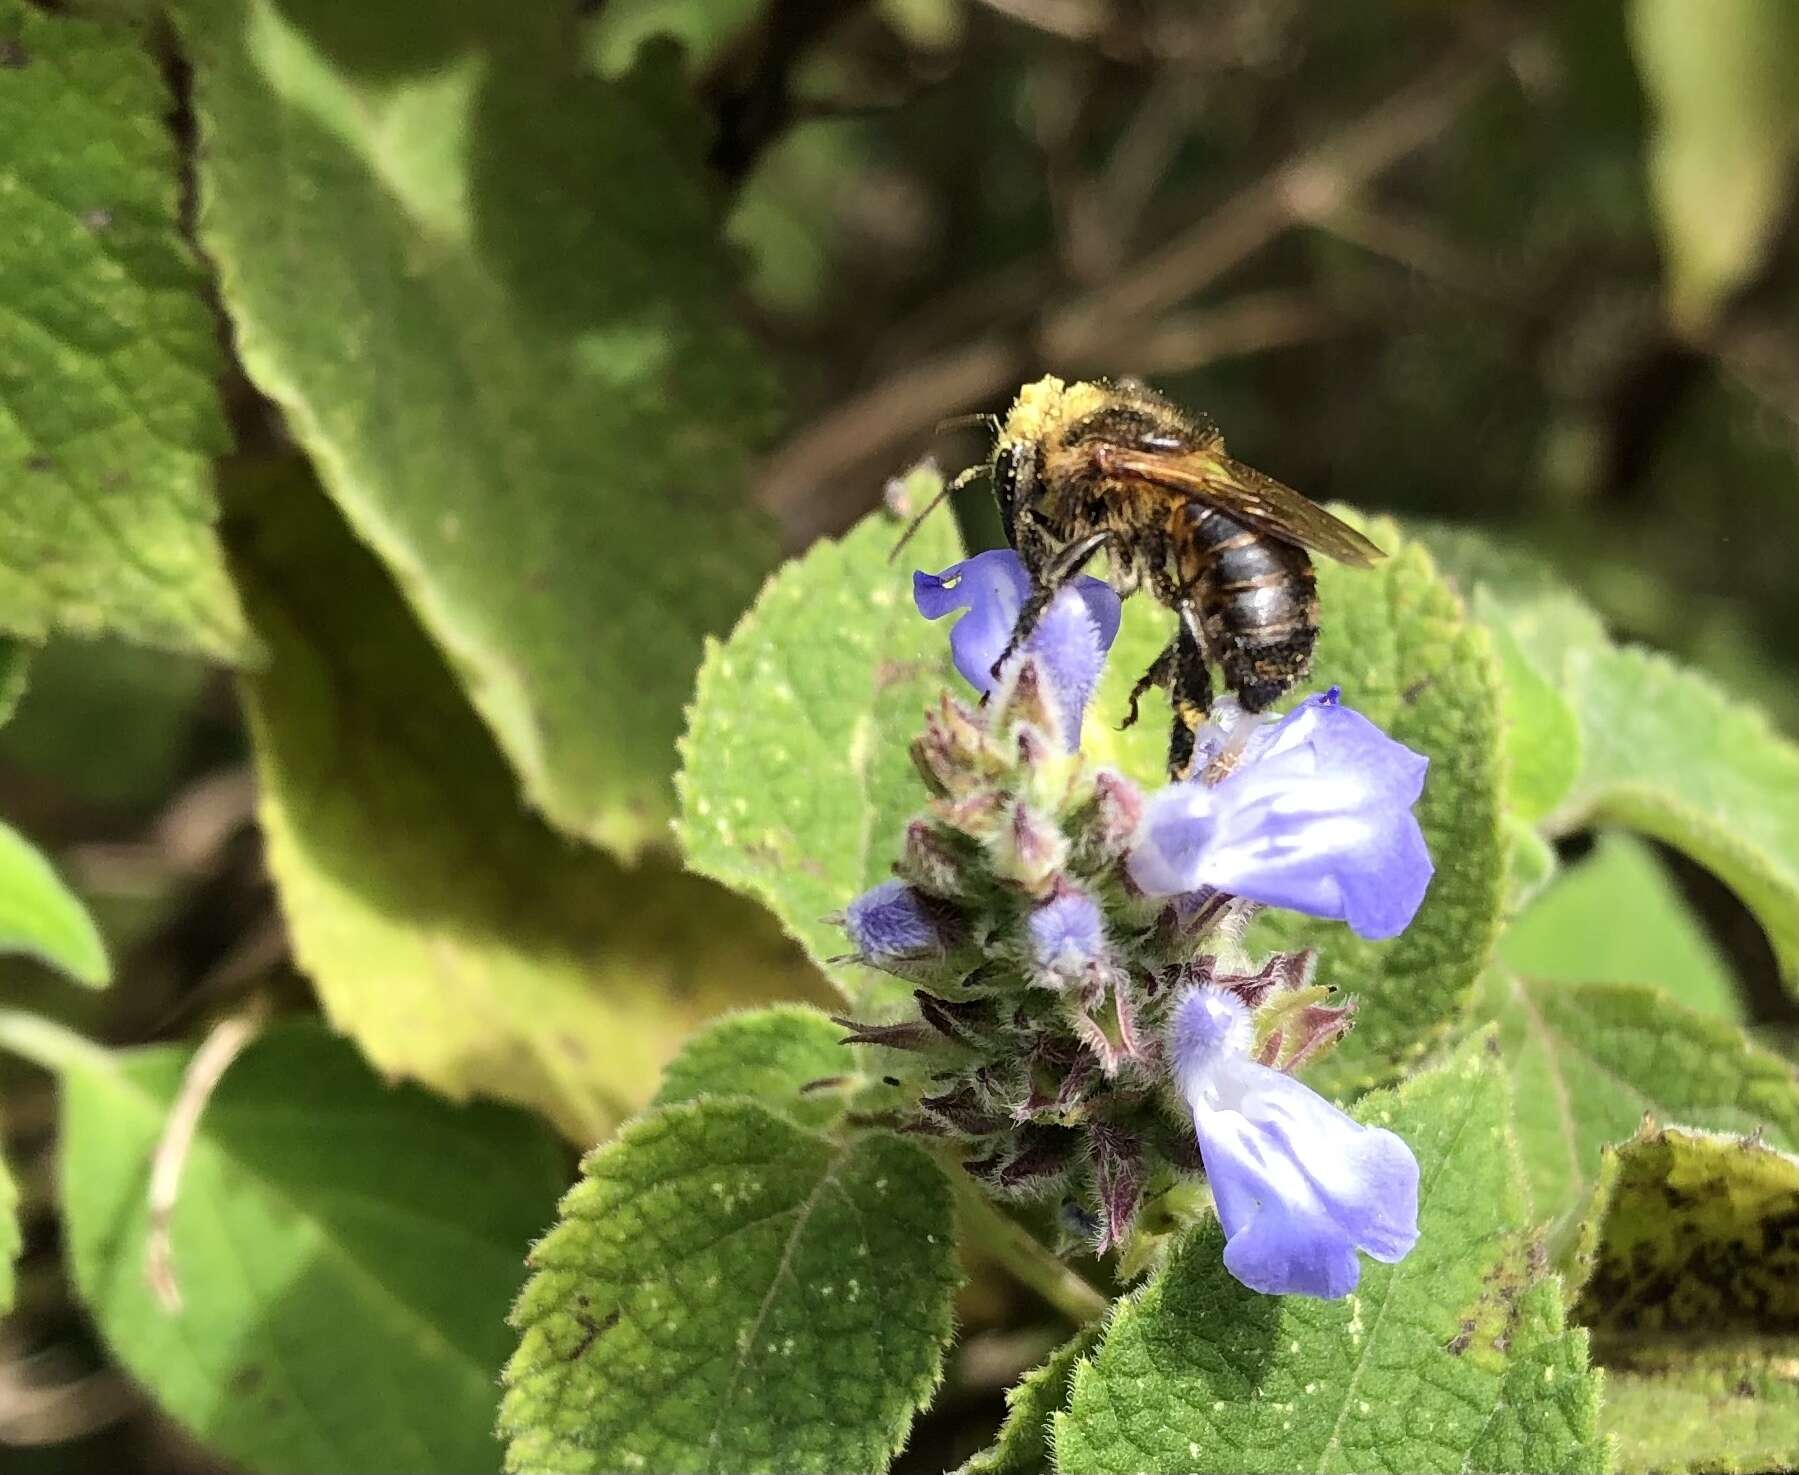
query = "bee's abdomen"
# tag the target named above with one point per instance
(1261, 606)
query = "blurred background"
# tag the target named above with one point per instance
(1529, 268)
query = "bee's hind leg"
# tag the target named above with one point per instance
(1190, 691)
(1160, 673)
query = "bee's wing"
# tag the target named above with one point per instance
(1242, 492)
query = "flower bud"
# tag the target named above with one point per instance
(1029, 849)
(893, 924)
(1066, 938)
(929, 861)
(1022, 700)
(1110, 819)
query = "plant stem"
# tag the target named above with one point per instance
(995, 1233)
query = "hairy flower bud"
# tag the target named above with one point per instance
(1067, 938)
(929, 861)
(1028, 849)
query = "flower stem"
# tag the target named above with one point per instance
(995, 1233)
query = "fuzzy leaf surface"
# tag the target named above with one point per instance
(1721, 1417)
(488, 292)
(344, 1252)
(1571, 932)
(40, 916)
(1023, 1446)
(108, 415)
(1411, 1371)
(1587, 1060)
(789, 1059)
(457, 938)
(1394, 637)
(1693, 1241)
(1669, 754)
(795, 780)
(727, 1291)
(1663, 750)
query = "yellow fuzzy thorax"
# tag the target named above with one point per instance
(1049, 403)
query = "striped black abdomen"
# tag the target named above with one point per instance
(1261, 606)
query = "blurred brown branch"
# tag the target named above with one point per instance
(809, 483)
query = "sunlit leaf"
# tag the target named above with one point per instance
(108, 414)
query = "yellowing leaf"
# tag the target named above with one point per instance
(456, 937)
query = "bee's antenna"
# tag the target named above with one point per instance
(949, 487)
(962, 422)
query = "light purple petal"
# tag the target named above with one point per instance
(1070, 641)
(992, 587)
(1299, 1186)
(1317, 818)
(1176, 828)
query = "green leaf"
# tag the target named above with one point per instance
(727, 1291)
(705, 29)
(1531, 864)
(1023, 1445)
(1691, 1244)
(40, 916)
(1669, 754)
(789, 1059)
(15, 667)
(1727, 1417)
(488, 292)
(1588, 1060)
(1549, 1404)
(344, 1250)
(1663, 749)
(108, 414)
(10, 1238)
(1449, 1360)
(1618, 916)
(796, 781)
(1542, 733)
(110, 723)
(1721, 149)
(1395, 638)
(457, 938)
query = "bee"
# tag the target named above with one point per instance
(1080, 468)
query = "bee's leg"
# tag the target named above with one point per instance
(1160, 673)
(1067, 564)
(1191, 693)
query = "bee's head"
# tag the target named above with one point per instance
(1014, 475)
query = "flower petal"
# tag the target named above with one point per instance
(1317, 817)
(1278, 1239)
(992, 587)
(1299, 1185)
(1070, 641)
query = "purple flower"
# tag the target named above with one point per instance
(891, 922)
(1070, 641)
(1316, 816)
(1067, 935)
(1299, 1186)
